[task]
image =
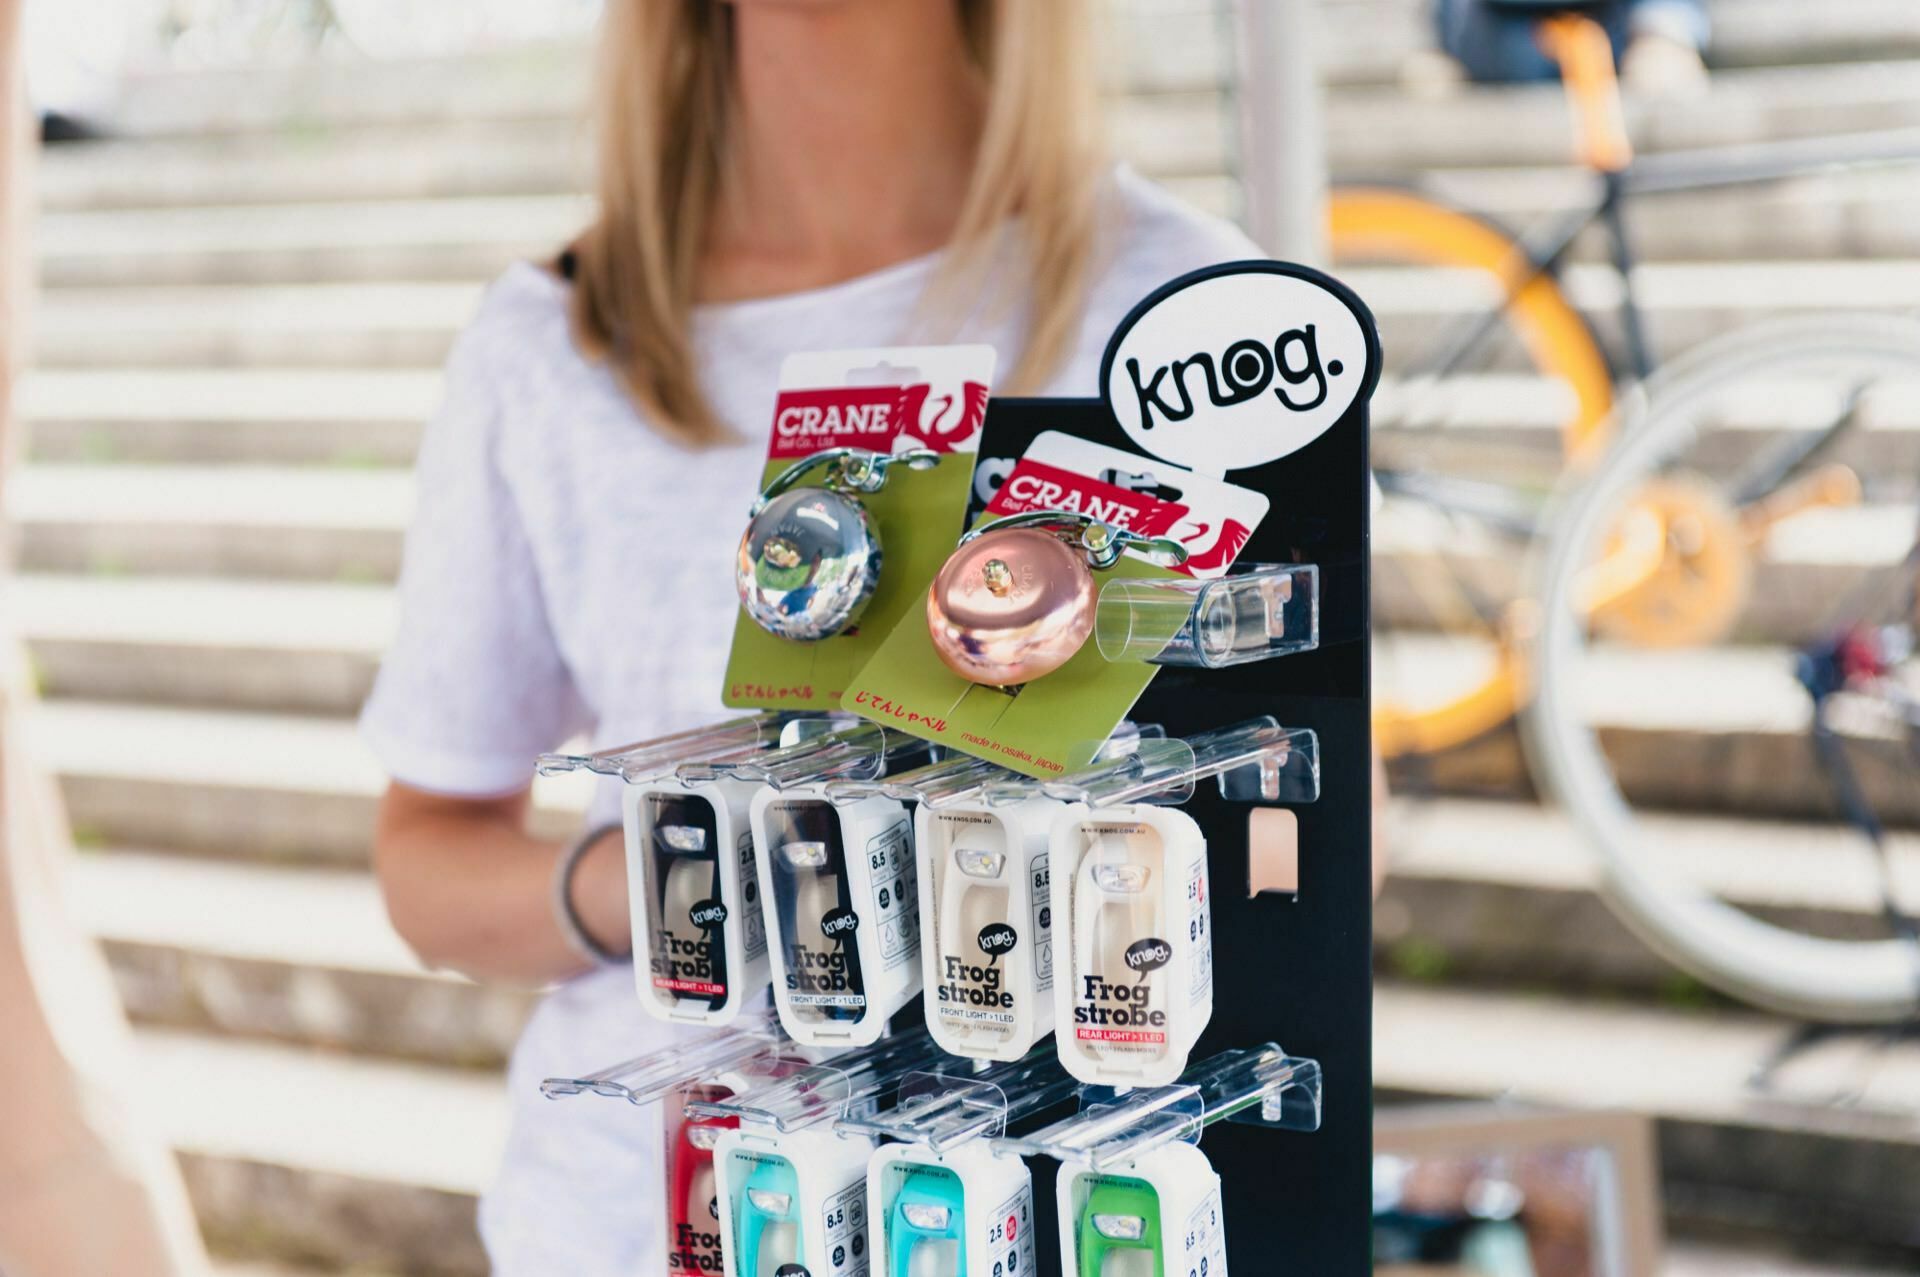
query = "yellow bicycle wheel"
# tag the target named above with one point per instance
(1535, 386)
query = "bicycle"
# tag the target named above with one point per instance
(1531, 324)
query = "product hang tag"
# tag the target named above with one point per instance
(885, 401)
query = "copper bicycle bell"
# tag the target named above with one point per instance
(810, 557)
(1017, 599)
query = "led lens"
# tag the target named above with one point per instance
(928, 1219)
(769, 1203)
(703, 1136)
(684, 837)
(1120, 1228)
(805, 855)
(979, 864)
(1121, 878)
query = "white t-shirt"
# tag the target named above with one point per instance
(569, 571)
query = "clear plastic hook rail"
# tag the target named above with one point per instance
(754, 1048)
(943, 1109)
(1257, 1086)
(843, 1087)
(962, 777)
(641, 759)
(860, 751)
(1257, 761)
(1257, 612)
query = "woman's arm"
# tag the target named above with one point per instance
(469, 889)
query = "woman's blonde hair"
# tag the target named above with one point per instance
(665, 100)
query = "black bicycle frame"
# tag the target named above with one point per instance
(1542, 253)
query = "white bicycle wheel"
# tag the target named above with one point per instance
(1797, 374)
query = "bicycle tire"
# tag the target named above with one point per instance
(1755, 961)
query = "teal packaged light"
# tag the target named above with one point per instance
(926, 1229)
(767, 1218)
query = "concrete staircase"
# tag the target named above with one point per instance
(247, 298)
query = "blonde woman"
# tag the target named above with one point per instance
(775, 175)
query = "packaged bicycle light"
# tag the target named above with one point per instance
(838, 881)
(987, 919)
(698, 930)
(1159, 1214)
(1131, 914)
(792, 1180)
(793, 1203)
(967, 1212)
(943, 1195)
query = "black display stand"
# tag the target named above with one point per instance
(1291, 970)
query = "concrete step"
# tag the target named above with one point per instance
(1503, 893)
(470, 238)
(1730, 1159)
(464, 238)
(1148, 51)
(265, 416)
(257, 645)
(298, 1155)
(408, 325)
(1376, 131)
(339, 525)
(270, 787)
(1713, 730)
(303, 956)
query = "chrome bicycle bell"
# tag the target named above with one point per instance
(810, 557)
(1017, 599)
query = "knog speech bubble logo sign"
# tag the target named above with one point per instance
(1238, 365)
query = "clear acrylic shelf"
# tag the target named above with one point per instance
(633, 761)
(857, 751)
(1255, 613)
(962, 776)
(935, 784)
(841, 1087)
(1259, 1086)
(944, 1108)
(754, 1049)
(1256, 761)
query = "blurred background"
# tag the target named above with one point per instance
(263, 221)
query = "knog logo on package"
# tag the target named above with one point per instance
(1238, 365)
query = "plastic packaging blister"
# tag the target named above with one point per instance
(752, 1049)
(820, 1092)
(1257, 760)
(643, 759)
(1254, 1086)
(1256, 613)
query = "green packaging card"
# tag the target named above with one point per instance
(1045, 728)
(883, 400)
